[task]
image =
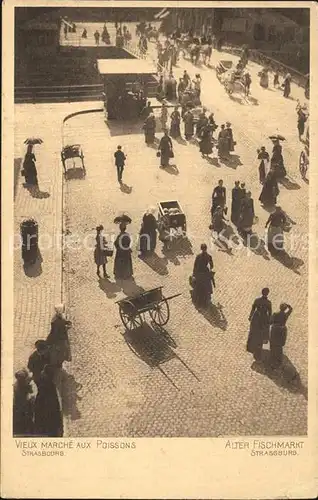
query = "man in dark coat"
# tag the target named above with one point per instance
(236, 203)
(120, 163)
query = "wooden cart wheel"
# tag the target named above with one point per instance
(160, 313)
(130, 319)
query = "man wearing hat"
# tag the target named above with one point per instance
(120, 163)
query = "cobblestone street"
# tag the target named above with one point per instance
(195, 378)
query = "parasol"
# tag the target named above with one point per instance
(277, 137)
(122, 218)
(33, 140)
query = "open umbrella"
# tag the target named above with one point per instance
(33, 140)
(277, 137)
(122, 218)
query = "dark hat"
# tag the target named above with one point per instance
(265, 291)
(99, 228)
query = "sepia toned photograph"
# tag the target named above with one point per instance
(161, 221)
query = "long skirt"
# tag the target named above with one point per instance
(262, 172)
(258, 334)
(278, 336)
(188, 130)
(206, 146)
(149, 136)
(275, 238)
(279, 169)
(59, 353)
(235, 211)
(123, 268)
(202, 290)
(286, 89)
(268, 196)
(175, 130)
(264, 81)
(301, 127)
(30, 174)
(48, 418)
(164, 158)
(147, 241)
(223, 147)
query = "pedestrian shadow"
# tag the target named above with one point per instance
(252, 100)
(288, 184)
(127, 127)
(256, 244)
(213, 161)
(125, 189)
(215, 316)
(233, 161)
(148, 345)
(181, 141)
(75, 173)
(177, 248)
(239, 100)
(285, 376)
(68, 388)
(110, 288)
(171, 169)
(35, 192)
(17, 170)
(130, 287)
(156, 263)
(34, 270)
(292, 263)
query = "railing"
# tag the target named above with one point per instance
(265, 60)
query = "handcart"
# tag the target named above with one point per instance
(172, 223)
(71, 152)
(132, 309)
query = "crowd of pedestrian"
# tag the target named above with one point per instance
(36, 405)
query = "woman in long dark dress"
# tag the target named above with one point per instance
(236, 203)
(166, 149)
(277, 160)
(205, 144)
(275, 234)
(223, 143)
(301, 120)
(229, 131)
(270, 191)
(24, 393)
(247, 214)
(57, 340)
(218, 197)
(259, 324)
(123, 268)
(264, 157)
(188, 124)
(100, 251)
(47, 410)
(29, 168)
(286, 85)
(148, 232)
(175, 124)
(150, 129)
(278, 333)
(202, 278)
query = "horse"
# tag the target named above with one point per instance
(206, 51)
(195, 51)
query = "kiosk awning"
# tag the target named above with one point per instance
(125, 67)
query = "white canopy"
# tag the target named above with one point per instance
(125, 67)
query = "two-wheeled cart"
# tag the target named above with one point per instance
(133, 309)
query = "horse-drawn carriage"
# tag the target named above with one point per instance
(232, 79)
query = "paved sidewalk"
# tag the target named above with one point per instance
(38, 290)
